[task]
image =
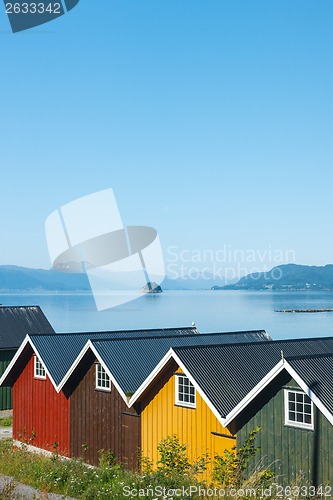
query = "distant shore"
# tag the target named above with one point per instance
(303, 310)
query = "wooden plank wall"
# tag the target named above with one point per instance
(40, 414)
(198, 427)
(102, 420)
(290, 451)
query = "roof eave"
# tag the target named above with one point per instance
(157, 370)
(254, 392)
(309, 392)
(12, 363)
(74, 365)
(90, 346)
(151, 377)
(112, 378)
(282, 365)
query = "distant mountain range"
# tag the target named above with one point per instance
(287, 277)
(284, 277)
(16, 278)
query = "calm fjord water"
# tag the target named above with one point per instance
(212, 311)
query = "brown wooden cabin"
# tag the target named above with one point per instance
(100, 419)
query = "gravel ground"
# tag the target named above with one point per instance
(6, 413)
(6, 432)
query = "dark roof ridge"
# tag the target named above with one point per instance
(194, 335)
(129, 331)
(260, 342)
(237, 332)
(15, 307)
(240, 332)
(309, 356)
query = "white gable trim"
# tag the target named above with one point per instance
(113, 380)
(41, 360)
(171, 354)
(89, 345)
(18, 353)
(153, 374)
(254, 392)
(27, 340)
(269, 377)
(282, 365)
(199, 390)
(308, 391)
(74, 365)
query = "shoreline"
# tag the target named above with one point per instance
(302, 310)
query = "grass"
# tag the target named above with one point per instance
(6, 422)
(53, 474)
(112, 481)
(73, 478)
(108, 481)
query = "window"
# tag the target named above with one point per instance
(185, 392)
(39, 370)
(103, 382)
(298, 409)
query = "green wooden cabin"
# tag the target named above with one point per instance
(294, 413)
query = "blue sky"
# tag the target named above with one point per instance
(210, 119)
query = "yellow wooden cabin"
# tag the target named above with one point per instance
(171, 405)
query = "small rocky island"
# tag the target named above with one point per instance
(151, 287)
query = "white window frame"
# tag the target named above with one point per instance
(294, 423)
(178, 399)
(99, 370)
(39, 369)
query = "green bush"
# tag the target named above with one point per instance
(6, 422)
(231, 469)
(173, 458)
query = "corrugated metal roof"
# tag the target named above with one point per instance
(227, 373)
(59, 351)
(316, 371)
(133, 352)
(131, 361)
(18, 321)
